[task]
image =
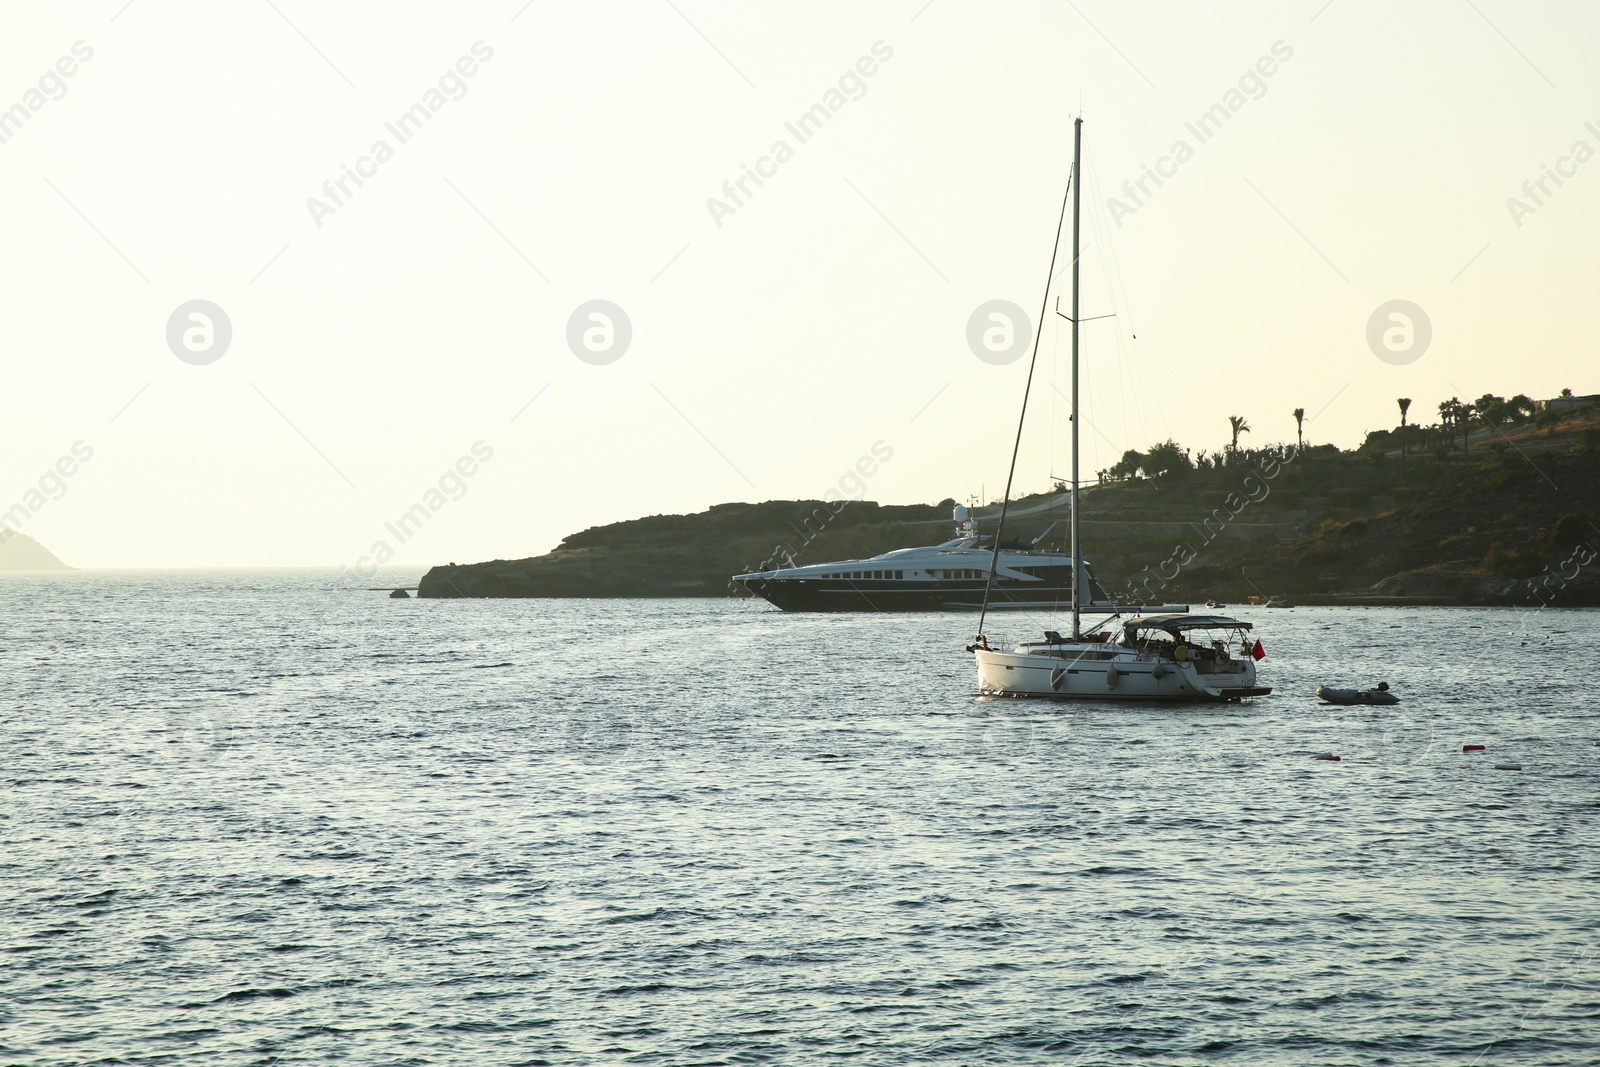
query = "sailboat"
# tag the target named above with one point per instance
(1171, 656)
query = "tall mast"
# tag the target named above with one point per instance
(1005, 502)
(1077, 189)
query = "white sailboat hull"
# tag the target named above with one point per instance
(1159, 657)
(1072, 674)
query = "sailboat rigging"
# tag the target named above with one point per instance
(1171, 655)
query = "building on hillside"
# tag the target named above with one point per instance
(1563, 404)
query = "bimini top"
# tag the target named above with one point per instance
(1179, 623)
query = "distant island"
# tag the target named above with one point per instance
(1498, 502)
(19, 552)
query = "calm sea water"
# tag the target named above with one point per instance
(253, 818)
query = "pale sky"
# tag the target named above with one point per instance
(825, 314)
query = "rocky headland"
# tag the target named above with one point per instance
(1514, 518)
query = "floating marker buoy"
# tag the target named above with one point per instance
(1508, 766)
(1329, 756)
(1472, 748)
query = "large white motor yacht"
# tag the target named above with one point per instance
(948, 576)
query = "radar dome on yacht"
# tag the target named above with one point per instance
(961, 513)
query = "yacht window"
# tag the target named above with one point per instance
(899, 574)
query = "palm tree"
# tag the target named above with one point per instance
(1239, 427)
(1449, 412)
(1299, 429)
(1405, 405)
(1464, 413)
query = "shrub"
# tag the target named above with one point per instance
(1501, 480)
(1570, 531)
(1508, 564)
(1166, 458)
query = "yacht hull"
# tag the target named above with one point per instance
(792, 594)
(1068, 677)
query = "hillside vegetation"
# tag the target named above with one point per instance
(1476, 512)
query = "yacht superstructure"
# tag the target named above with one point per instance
(947, 576)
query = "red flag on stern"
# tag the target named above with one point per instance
(1258, 653)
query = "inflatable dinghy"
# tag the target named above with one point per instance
(1380, 695)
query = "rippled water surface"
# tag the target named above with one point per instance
(254, 819)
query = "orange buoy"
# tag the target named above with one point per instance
(1472, 748)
